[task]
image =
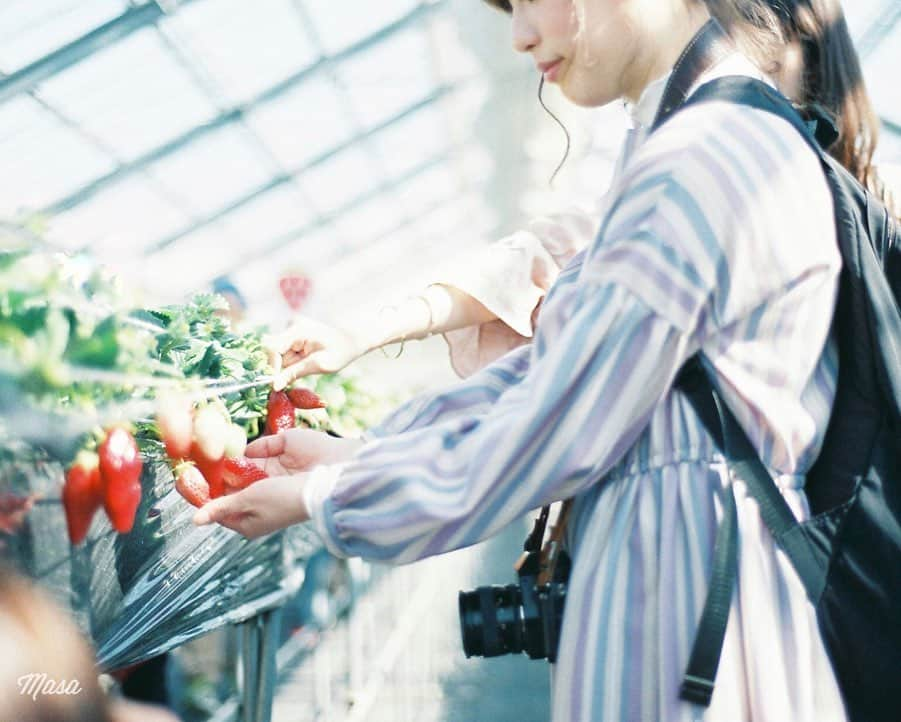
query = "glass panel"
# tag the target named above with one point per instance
(244, 48)
(388, 78)
(278, 212)
(133, 95)
(403, 145)
(430, 186)
(29, 30)
(369, 220)
(190, 264)
(214, 171)
(340, 180)
(862, 14)
(42, 160)
(881, 73)
(304, 123)
(119, 221)
(341, 23)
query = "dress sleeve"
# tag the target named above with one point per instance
(471, 396)
(451, 484)
(510, 278)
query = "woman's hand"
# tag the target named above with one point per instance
(262, 508)
(294, 450)
(311, 347)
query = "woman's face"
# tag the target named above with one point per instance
(601, 50)
(586, 47)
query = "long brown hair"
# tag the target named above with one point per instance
(830, 72)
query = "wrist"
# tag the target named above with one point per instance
(341, 450)
(410, 318)
(317, 489)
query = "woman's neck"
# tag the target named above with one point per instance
(663, 45)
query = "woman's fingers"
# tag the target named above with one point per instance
(266, 446)
(263, 507)
(228, 508)
(297, 370)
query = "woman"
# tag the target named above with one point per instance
(719, 239)
(488, 308)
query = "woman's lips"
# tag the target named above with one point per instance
(550, 70)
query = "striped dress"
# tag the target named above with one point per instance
(719, 238)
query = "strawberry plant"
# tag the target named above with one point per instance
(78, 355)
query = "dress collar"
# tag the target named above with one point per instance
(642, 113)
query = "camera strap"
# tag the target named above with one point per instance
(550, 550)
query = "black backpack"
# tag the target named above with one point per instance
(848, 554)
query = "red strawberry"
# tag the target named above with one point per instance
(305, 399)
(120, 475)
(82, 495)
(279, 412)
(191, 484)
(241, 472)
(174, 417)
(211, 470)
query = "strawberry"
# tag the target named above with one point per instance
(120, 476)
(191, 484)
(305, 399)
(279, 412)
(211, 470)
(174, 417)
(210, 432)
(241, 472)
(235, 441)
(82, 494)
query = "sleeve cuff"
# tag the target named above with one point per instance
(317, 499)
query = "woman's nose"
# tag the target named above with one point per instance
(525, 37)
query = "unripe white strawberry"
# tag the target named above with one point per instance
(210, 432)
(174, 418)
(235, 441)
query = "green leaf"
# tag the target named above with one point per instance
(100, 349)
(156, 318)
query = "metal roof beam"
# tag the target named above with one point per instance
(230, 116)
(291, 174)
(130, 21)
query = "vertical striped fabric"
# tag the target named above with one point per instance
(721, 239)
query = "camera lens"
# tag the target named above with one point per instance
(491, 621)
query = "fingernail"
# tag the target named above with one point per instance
(201, 518)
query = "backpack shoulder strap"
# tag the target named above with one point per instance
(742, 90)
(873, 272)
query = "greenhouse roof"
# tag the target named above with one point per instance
(183, 141)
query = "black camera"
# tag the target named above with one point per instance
(524, 617)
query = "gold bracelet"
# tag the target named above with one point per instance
(399, 351)
(428, 306)
(402, 338)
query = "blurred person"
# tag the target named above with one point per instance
(47, 671)
(489, 307)
(237, 305)
(718, 237)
